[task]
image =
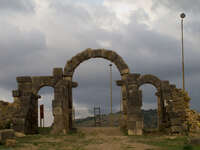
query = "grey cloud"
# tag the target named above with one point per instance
(183, 5)
(19, 52)
(22, 6)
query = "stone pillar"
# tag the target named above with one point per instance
(62, 103)
(159, 111)
(135, 117)
(123, 119)
(25, 120)
(59, 107)
(132, 102)
(70, 103)
(165, 99)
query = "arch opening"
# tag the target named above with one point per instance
(46, 94)
(94, 92)
(149, 107)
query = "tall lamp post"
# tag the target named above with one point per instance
(182, 15)
(110, 88)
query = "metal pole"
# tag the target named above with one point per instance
(110, 88)
(183, 68)
(120, 105)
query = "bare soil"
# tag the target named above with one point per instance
(101, 138)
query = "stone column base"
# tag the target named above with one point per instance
(135, 132)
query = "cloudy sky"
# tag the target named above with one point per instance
(36, 36)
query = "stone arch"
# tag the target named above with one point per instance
(41, 81)
(112, 56)
(96, 53)
(149, 79)
(157, 83)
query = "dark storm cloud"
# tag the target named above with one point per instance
(22, 6)
(179, 5)
(20, 50)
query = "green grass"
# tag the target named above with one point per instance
(45, 130)
(178, 143)
(5, 148)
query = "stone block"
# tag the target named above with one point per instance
(175, 121)
(10, 142)
(19, 134)
(85, 54)
(194, 140)
(57, 111)
(103, 53)
(74, 84)
(58, 72)
(125, 71)
(18, 124)
(177, 129)
(6, 134)
(134, 76)
(124, 92)
(119, 82)
(135, 128)
(23, 79)
(97, 53)
(57, 103)
(113, 57)
(15, 93)
(79, 58)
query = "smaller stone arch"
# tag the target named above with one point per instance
(95, 53)
(41, 81)
(157, 83)
(149, 79)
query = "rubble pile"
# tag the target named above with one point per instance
(182, 118)
(193, 118)
(176, 110)
(7, 111)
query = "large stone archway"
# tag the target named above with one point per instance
(96, 53)
(112, 56)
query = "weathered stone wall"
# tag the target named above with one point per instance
(188, 119)
(193, 119)
(176, 111)
(7, 110)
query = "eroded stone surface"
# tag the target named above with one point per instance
(6, 134)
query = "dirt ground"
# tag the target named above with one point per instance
(112, 139)
(103, 138)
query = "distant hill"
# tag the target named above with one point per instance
(150, 120)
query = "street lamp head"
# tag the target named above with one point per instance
(182, 15)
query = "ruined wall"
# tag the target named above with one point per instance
(193, 119)
(7, 111)
(181, 119)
